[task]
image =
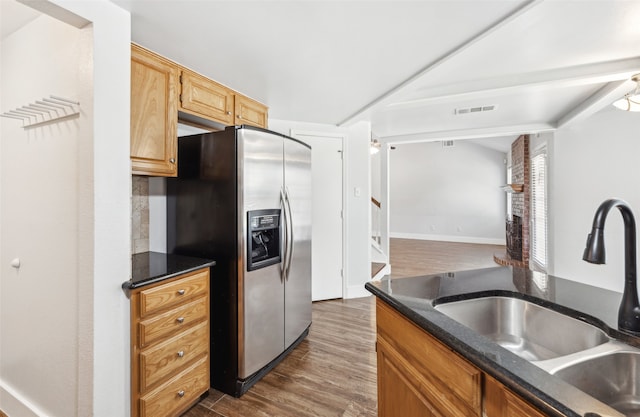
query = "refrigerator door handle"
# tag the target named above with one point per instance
(285, 235)
(290, 238)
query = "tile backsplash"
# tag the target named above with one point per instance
(139, 214)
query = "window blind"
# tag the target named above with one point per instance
(539, 208)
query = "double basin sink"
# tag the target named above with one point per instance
(577, 352)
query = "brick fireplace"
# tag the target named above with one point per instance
(517, 226)
(513, 231)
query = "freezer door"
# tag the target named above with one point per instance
(297, 175)
(261, 291)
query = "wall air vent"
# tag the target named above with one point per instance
(478, 109)
(447, 143)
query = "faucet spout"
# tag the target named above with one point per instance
(629, 312)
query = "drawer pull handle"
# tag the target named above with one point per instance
(181, 354)
(181, 393)
(180, 292)
(180, 320)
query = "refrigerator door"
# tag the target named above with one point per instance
(297, 174)
(260, 292)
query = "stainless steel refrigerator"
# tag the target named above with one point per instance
(243, 198)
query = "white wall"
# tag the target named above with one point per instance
(594, 160)
(106, 367)
(357, 211)
(447, 194)
(77, 224)
(376, 172)
(39, 320)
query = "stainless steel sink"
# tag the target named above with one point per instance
(612, 379)
(533, 332)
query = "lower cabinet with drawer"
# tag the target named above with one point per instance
(170, 345)
(419, 376)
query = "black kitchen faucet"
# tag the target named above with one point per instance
(629, 312)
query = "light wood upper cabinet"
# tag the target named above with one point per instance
(154, 113)
(160, 89)
(206, 98)
(250, 112)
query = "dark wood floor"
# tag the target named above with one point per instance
(333, 371)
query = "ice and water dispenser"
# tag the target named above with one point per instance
(263, 238)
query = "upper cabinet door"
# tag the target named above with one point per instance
(250, 112)
(206, 98)
(154, 114)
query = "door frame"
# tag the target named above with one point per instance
(300, 134)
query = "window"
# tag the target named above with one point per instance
(509, 208)
(539, 208)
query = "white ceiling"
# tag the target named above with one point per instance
(13, 16)
(405, 66)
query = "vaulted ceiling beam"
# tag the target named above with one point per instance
(444, 58)
(604, 72)
(596, 102)
(490, 132)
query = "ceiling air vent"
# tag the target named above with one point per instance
(478, 109)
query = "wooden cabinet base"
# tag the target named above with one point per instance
(179, 393)
(429, 377)
(420, 376)
(170, 345)
(500, 402)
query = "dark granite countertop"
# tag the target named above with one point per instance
(151, 267)
(415, 298)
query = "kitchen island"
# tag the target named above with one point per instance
(430, 364)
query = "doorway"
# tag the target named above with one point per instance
(327, 200)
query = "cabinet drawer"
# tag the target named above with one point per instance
(172, 321)
(178, 393)
(166, 358)
(166, 295)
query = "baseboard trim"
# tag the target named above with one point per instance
(356, 291)
(14, 404)
(449, 238)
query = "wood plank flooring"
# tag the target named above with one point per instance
(410, 258)
(333, 371)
